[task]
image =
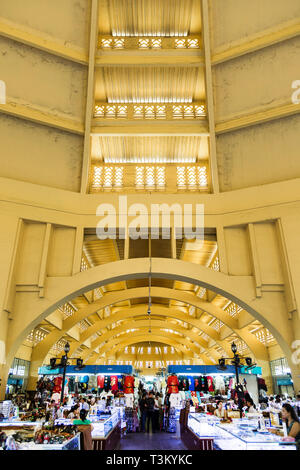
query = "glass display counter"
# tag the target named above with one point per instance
(106, 432)
(241, 434)
(27, 430)
(70, 444)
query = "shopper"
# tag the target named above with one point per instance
(161, 412)
(84, 426)
(220, 411)
(277, 404)
(156, 412)
(150, 412)
(292, 421)
(251, 408)
(84, 404)
(143, 411)
(298, 405)
(74, 412)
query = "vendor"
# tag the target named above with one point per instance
(251, 408)
(219, 411)
(292, 421)
(85, 427)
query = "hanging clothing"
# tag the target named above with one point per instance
(129, 384)
(57, 384)
(100, 382)
(220, 384)
(175, 400)
(107, 383)
(210, 383)
(114, 383)
(203, 384)
(120, 383)
(173, 384)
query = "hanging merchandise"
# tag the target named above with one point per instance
(191, 383)
(220, 384)
(203, 384)
(183, 383)
(194, 398)
(83, 383)
(114, 383)
(171, 420)
(107, 383)
(120, 383)
(129, 400)
(129, 418)
(262, 384)
(128, 384)
(100, 383)
(210, 383)
(57, 384)
(175, 400)
(92, 382)
(71, 384)
(173, 384)
(136, 382)
(66, 388)
(232, 383)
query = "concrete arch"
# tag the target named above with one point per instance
(140, 338)
(240, 289)
(145, 324)
(41, 350)
(257, 348)
(173, 340)
(171, 313)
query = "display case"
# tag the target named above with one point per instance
(70, 444)
(106, 432)
(13, 427)
(241, 434)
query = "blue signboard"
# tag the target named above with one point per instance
(284, 382)
(201, 370)
(252, 371)
(105, 370)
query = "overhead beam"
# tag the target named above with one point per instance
(90, 96)
(119, 127)
(164, 58)
(28, 113)
(210, 98)
(259, 41)
(257, 117)
(42, 42)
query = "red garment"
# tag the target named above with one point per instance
(210, 383)
(114, 383)
(128, 384)
(57, 385)
(129, 381)
(100, 381)
(173, 384)
(173, 380)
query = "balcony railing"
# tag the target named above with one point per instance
(153, 111)
(145, 177)
(149, 43)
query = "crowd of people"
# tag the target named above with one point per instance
(151, 409)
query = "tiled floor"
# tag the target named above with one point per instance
(156, 441)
